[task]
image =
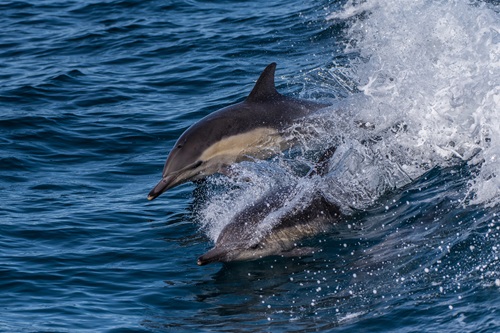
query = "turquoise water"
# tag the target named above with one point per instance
(94, 93)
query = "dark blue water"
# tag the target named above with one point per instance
(92, 96)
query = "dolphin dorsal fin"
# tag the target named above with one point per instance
(264, 87)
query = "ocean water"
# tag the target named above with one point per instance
(93, 94)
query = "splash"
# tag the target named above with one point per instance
(434, 65)
(423, 91)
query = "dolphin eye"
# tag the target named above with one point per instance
(254, 247)
(179, 146)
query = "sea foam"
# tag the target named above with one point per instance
(434, 65)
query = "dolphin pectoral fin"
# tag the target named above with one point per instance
(300, 252)
(321, 167)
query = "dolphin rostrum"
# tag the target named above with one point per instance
(251, 235)
(250, 129)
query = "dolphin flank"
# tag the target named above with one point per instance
(250, 129)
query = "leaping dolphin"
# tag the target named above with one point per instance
(252, 128)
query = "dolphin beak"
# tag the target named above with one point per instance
(214, 255)
(162, 186)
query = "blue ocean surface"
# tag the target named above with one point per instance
(94, 93)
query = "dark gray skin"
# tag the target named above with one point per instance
(250, 129)
(244, 238)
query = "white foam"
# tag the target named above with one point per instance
(436, 66)
(428, 73)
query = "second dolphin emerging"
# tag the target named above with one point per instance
(252, 128)
(245, 238)
(249, 236)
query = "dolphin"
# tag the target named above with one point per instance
(248, 237)
(251, 129)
